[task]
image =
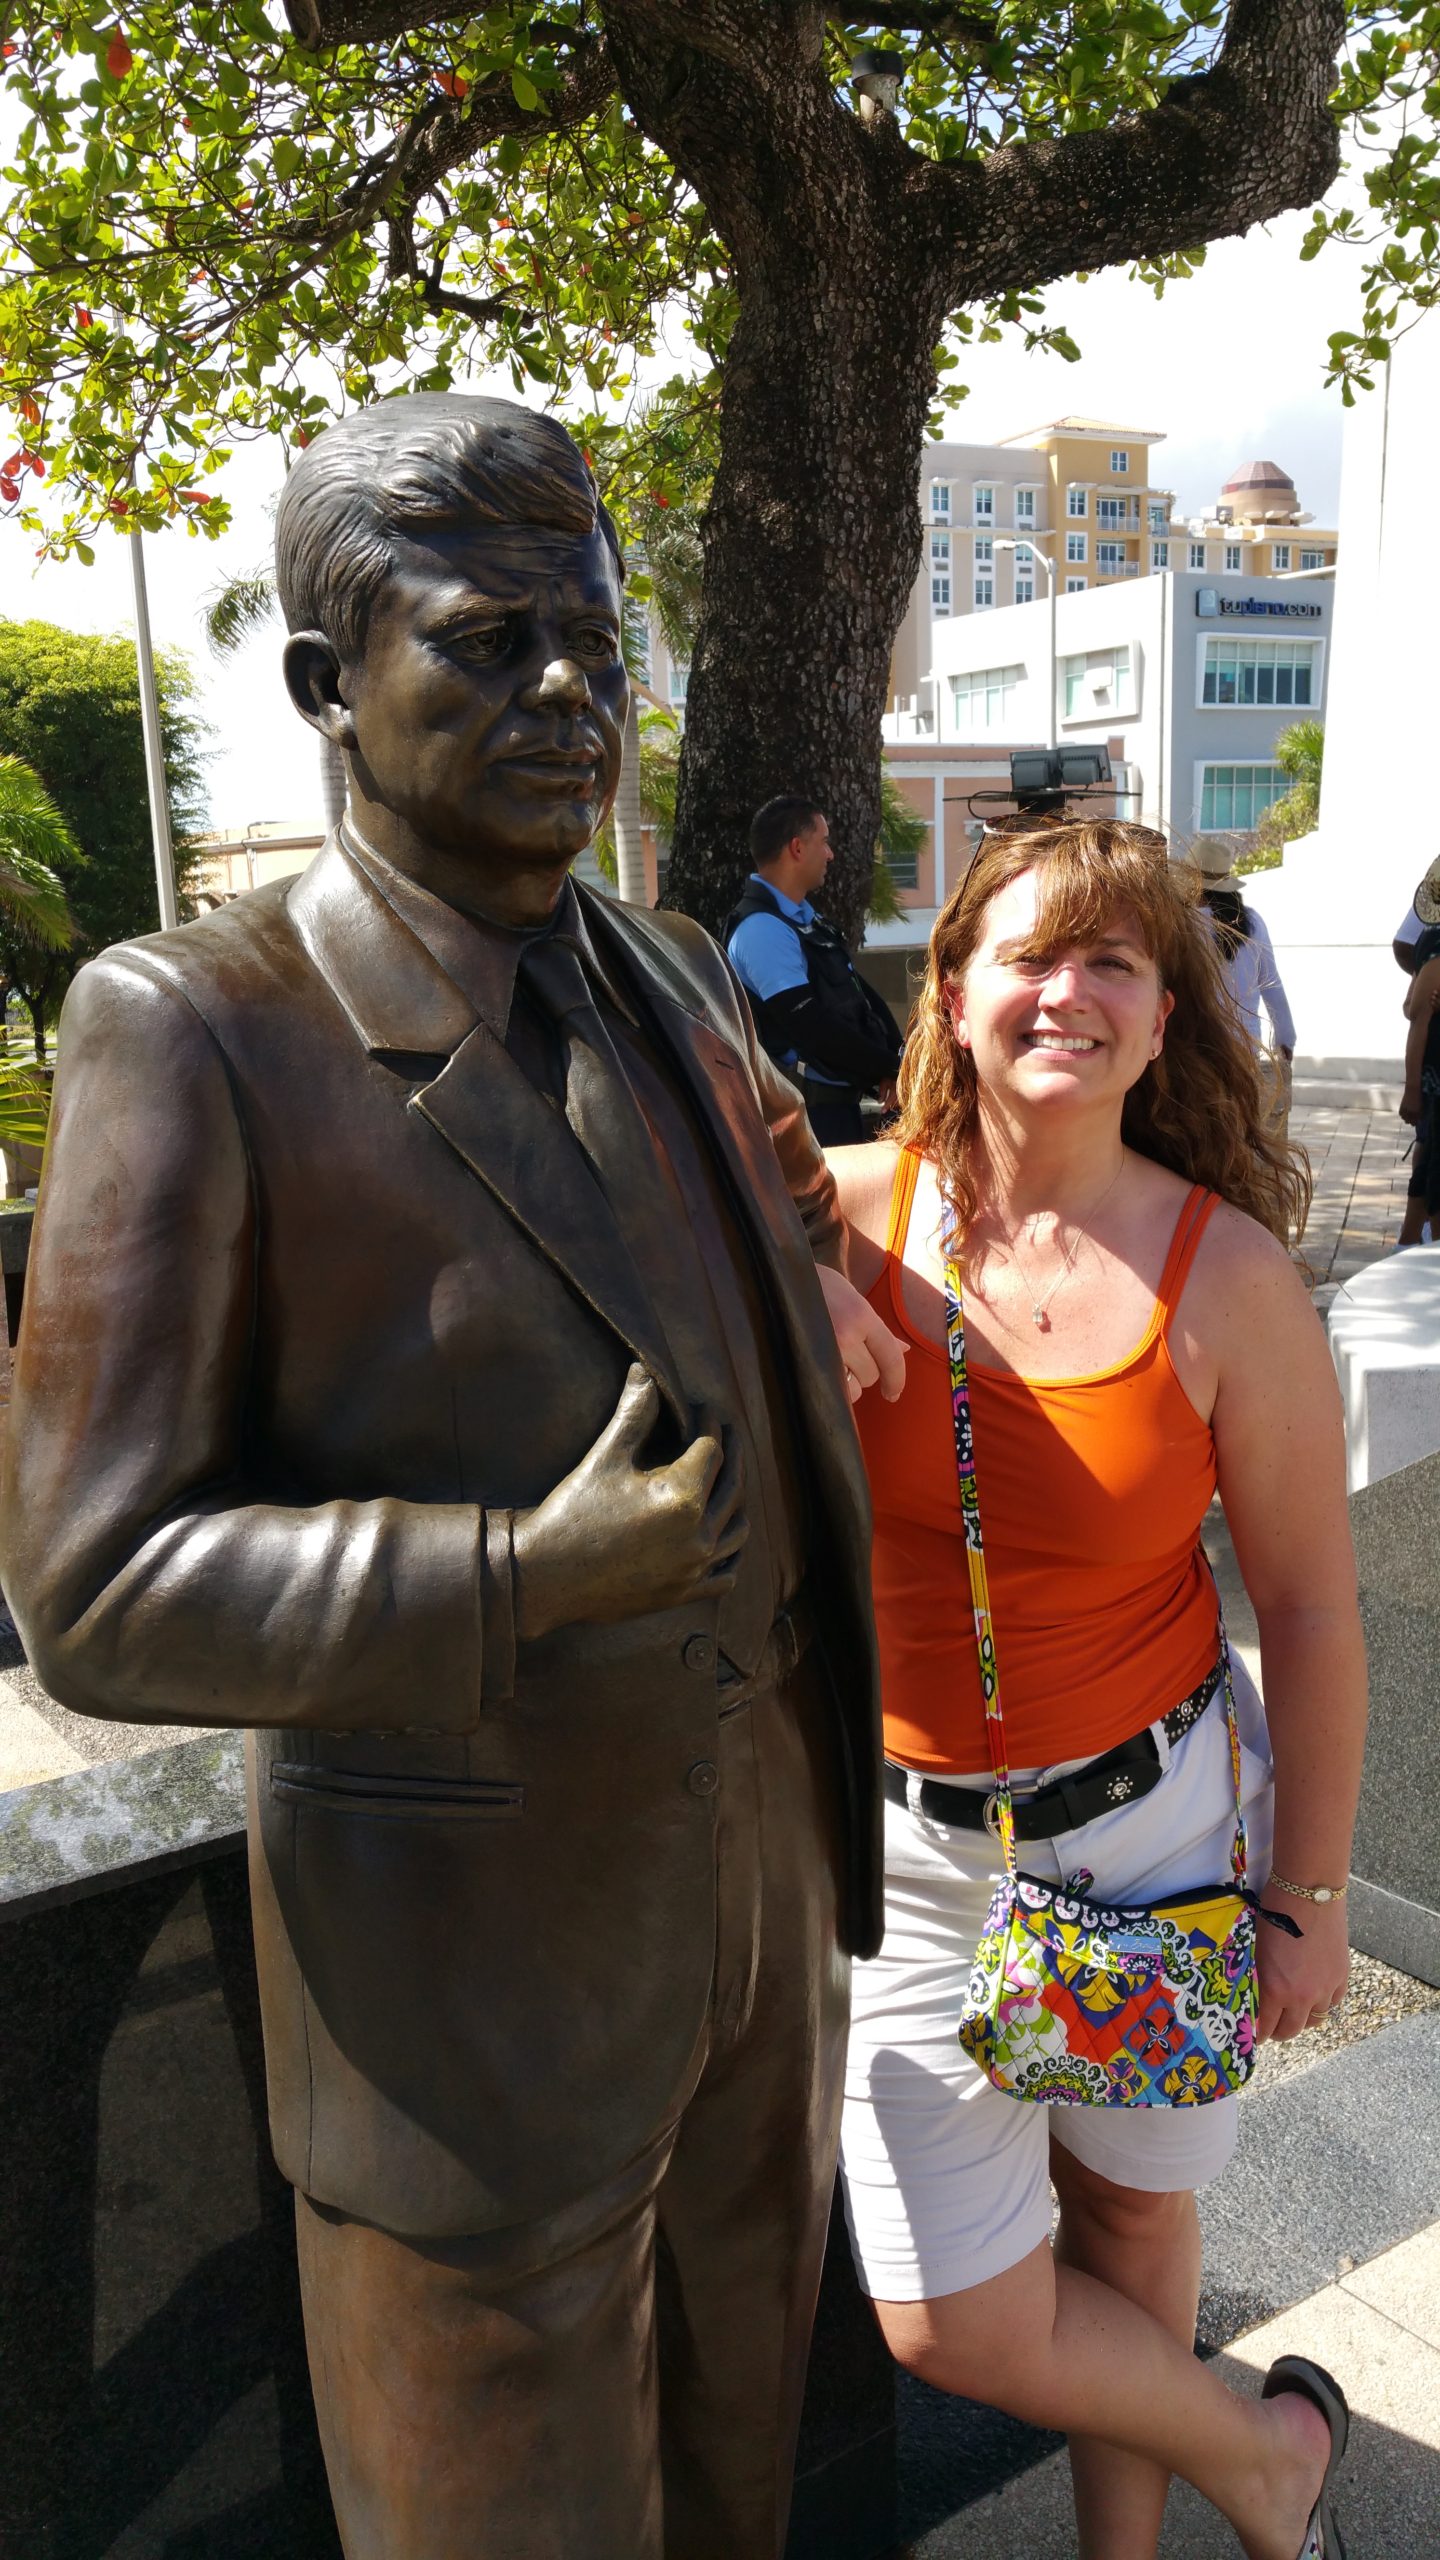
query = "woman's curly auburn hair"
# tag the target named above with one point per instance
(1204, 1107)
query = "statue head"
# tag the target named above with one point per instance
(452, 586)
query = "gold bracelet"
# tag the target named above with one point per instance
(1308, 1892)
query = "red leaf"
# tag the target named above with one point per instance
(33, 463)
(119, 59)
(9, 51)
(302, 435)
(454, 84)
(30, 411)
(119, 507)
(659, 497)
(9, 490)
(196, 497)
(82, 317)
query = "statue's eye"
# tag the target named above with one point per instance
(484, 643)
(595, 641)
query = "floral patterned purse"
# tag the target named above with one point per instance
(1078, 2003)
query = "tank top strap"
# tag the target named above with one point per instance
(902, 1194)
(1196, 1211)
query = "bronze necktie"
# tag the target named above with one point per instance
(599, 1102)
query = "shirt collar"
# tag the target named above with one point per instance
(478, 956)
(799, 909)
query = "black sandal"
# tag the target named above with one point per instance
(1297, 2373)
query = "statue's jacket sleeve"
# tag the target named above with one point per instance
(149, 1578)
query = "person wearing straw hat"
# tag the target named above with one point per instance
(1248, 958)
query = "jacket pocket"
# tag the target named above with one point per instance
(354, 1791)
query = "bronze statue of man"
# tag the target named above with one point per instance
(424, 1365)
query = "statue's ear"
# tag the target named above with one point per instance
(312, 678)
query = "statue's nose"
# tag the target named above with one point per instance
(563, 683)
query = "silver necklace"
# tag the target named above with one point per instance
(1039, 1307)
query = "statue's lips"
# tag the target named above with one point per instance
(564, 770)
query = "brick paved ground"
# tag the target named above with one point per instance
(1360, 1163)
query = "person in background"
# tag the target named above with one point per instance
(1417, 937)
(825, 1028)
(1418, 1102)
(1248, 957)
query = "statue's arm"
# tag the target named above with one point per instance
(808, 1177)
(148, 1581)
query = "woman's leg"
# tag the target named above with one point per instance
(1054, 2346)
(1148, 2248)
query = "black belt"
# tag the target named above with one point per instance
(1119, 1777)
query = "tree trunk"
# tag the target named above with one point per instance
(811, 546)
(629, 846)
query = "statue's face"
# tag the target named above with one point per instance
(487, 706)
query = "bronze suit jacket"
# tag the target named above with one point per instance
(317, 1295)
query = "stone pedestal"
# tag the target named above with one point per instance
(154, 2399)
(1384, 1329)
(1395, 1888)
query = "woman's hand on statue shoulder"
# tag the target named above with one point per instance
(872, 1354)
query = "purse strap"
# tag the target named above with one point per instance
(980, 1585)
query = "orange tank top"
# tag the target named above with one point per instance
(1092, 1493)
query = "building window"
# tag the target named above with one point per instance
(1312, 559)
(1159, 555)
(1119, 461)
(1075, 546)
(984, 700)
(1159, 518)
(1076, 502)
(984, 590)
(1258, 672)
(984, 551)
(1280, 555)
(940, 501)
(1097, 686)
(1235, 797)
(1109, 558)
(679, 680)
(1074, 586)
(1111, 511)
(1025, 508)
(984, 502)
(1197, 555)
(939, 572)
(1024, 583)
(904, 868)
(1232, 555)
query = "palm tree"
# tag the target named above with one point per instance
(1300, 752)
(33, 839)
(234, 614)
(34, 915)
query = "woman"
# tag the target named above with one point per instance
(1078, 1092)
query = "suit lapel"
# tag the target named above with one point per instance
(400, 1002)
(525, 1152)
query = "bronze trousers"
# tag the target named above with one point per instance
(622, 2381)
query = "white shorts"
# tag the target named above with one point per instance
(946, 2181)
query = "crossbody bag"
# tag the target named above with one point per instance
(1073, 2002)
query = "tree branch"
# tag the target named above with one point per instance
(931, 19)
(1251, 137)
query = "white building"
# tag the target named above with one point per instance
(1186, 681)
(1340, 894)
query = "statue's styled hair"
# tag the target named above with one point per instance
(424, 462)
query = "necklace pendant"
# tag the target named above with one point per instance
(1040, 1319)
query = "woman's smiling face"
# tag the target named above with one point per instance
(1048, 1028)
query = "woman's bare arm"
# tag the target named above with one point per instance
(1280, 1446)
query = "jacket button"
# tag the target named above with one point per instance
(703, 1779)
(699, 1654)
